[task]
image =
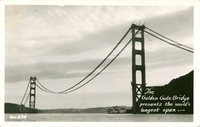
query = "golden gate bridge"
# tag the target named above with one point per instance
(138, 87)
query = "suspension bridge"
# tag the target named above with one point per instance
(138, 87)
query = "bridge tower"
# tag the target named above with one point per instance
(138, 66)
(32, 94)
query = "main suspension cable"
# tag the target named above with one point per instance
(100, 63)
(93, 69)
(169, 39)
(103, 68)
(169, 42)
(26, 99)
(25, 92)
(99, 71)
(44, 88)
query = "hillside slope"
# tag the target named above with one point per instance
(181, 87)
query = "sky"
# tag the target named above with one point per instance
(60, 45)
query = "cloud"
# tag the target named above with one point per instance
(47, 57)
(177, 26)
(73, 21)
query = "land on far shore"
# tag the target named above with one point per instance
(14, 108)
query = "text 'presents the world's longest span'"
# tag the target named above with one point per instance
(163, 104)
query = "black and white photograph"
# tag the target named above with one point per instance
(109, 62)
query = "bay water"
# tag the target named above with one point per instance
(99, 117)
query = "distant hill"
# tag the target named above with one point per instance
(14, 108)
(78, 110)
